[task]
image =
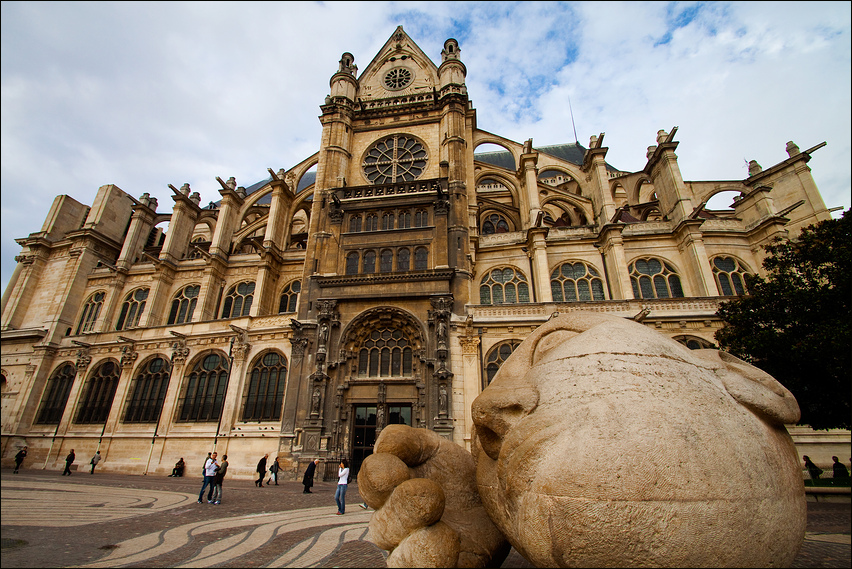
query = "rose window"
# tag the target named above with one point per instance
(398, 158)
(398, 78)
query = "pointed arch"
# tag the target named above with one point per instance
(204, 385)
(148, 389)
(385, 342)
(266, 380)
(359, 329)
(507, 182)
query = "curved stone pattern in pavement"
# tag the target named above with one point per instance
(34, 503)
(248, 534)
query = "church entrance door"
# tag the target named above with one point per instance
(364, 431)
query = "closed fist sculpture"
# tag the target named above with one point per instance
(600, 442)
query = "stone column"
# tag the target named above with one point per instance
(539, 264)
(472, 382)
(699, 272)
(529, 170)
(141, 222)
(180, 354)
(240, 350)
(617, 275)
(185, 214)
(226, 223)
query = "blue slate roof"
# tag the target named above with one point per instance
(572, 152)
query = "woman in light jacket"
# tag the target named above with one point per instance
(342, 483)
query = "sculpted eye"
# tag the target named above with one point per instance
(550, 341)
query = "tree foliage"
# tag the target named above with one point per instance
(796, 324)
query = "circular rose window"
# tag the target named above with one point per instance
(397, 158)
(398, 78)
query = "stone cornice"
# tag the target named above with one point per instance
(384, 278)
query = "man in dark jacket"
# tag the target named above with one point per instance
(261, 470)
(19, 458)
(308, 478)
(69, 460)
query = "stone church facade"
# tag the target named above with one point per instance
(382, 280)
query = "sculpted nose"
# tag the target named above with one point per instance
(497, 410)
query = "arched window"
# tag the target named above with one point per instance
(494, 223)
(652, 278)
(371, 223)
(238, 300)
(99, 393)
(576, 281)
(730, 276)
(403, 257)
(498, 354)
(205, 389)
(148, 392)
(386, 261)
(355, 224)
(369, 262)
(404, 219)
(56, 395)
(91, 310)
(387, 220)
(131, 310)
(421, 259)
(694, 342)
(183, 305)
(352, 263)
(504, 286)
(386, 353)
(421, 218)
(265, 389)
(196, 244)
(290, 297)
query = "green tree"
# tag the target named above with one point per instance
(796, 323)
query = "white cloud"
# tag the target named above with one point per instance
(148, 94)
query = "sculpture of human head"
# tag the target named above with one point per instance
(601, 442)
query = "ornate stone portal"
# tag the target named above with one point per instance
(601, 443)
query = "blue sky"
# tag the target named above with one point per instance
(143, 95)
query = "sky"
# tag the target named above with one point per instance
(147, 94)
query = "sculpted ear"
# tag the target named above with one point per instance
(754, 388)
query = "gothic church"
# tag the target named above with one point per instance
(382, 280)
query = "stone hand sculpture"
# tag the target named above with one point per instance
(600, 442)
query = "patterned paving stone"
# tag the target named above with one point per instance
(113, 520)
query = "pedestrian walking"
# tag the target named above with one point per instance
(839, 468)
(261, 470)
(210, 467)
(95, 460)
(342, 483)
(19, 459)
(218, 479)
(274, 472)
(69, 460)
(813, 469)
(308, 478)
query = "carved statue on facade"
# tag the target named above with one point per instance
(441, 332)
(323, 335)
(600, 442)
(315, 401)
(442, 399)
